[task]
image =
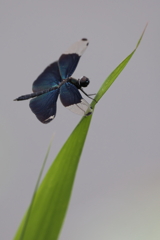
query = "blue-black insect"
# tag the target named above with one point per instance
(56, 80)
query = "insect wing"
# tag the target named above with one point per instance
(50, 77)
(72, 99)
(44, 106)
(69, 60)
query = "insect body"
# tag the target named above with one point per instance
(56, 80)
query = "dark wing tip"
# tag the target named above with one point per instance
(47, 120)
(85, 39)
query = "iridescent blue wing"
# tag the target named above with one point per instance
(72, 99)
(44, 106)
(68, 61)
(50, 77)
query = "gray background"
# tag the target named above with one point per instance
(116, 194)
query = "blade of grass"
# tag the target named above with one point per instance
(52, 197)
(112, 77)
(51, 200)
(26, 218)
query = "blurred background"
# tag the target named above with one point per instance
(116, 194)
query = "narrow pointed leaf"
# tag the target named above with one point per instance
(51, 200)
(52, 197)
(112, 77)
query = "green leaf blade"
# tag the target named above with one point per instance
(112, 77)
(52, 197)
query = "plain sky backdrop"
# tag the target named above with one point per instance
(116, 195)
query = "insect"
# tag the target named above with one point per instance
(56, 80)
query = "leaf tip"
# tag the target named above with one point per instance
(141, 36)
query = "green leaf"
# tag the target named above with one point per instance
(50, 201)
(27, 217)
(112, 77)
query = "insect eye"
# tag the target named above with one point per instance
(84, 81)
